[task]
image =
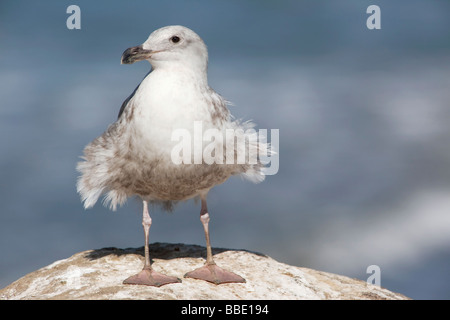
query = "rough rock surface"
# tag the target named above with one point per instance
(98, 274)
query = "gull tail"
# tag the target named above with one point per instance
(97, 175)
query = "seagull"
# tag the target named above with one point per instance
(134, 156)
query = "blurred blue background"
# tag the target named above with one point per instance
(363, 117)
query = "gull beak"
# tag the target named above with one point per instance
(133, 54)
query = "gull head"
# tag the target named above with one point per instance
(169, 45)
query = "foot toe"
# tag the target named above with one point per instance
(148, 277)
(215, 274)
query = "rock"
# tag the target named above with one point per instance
(98, 274)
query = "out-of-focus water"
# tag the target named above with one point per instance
(363, 115)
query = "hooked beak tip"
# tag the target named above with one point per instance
(134, 54)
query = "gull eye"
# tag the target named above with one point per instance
(175, 39)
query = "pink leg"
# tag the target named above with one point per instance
(148, 276)
(210, 271)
